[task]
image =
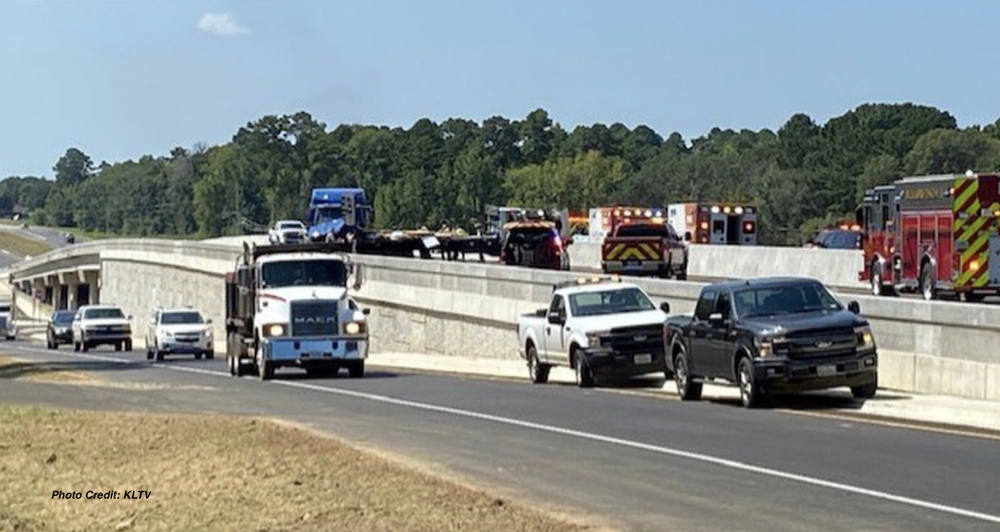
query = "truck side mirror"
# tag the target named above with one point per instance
(555, 318)
(715, 319)
(366, 311)
(665, 307)
(854, 307)
(208, 321)
(687, 236)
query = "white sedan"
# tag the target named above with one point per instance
(177, 331)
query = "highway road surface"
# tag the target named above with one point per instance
(52, 237)
(630, 460)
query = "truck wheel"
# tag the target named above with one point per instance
(118, 346)
(128, 345)
(687, 390)
(927, 289)
(149, 351)
(84, 346)
(209, 354)
(538, 372)
(584, 377)
(750, 392)
(76, 346)
(265, 369)
(356, 369)
(876, 279)
(865, 391)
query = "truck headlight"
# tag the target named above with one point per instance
(274, 329)
(765, 347)
(594, 339)
(355, 327)
(866, 340)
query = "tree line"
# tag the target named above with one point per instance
(802, 176)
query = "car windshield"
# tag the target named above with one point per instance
(603, 302)
(316, 272)
(178, 318)
(4, 308)
(645, 230)
(103, 313)
(290, 225)
(784, 299)
(63, 317)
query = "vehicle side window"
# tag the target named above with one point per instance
(558, 305)
(705, 305)
(722, 306)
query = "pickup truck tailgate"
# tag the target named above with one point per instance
(632, 253)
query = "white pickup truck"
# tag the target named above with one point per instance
(601, 327)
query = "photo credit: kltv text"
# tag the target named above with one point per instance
(110, 494)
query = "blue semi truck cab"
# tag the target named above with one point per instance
(335, 212)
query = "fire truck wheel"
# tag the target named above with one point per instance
(877, 286)
(927, 289)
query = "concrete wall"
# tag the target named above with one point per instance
(471, 309)
(835, 267)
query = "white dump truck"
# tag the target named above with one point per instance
(289, 306)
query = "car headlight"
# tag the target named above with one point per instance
(315, 234)
(274, 329)
(208, 333)
(866, 340)
(355, 327)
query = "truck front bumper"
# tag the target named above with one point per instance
(308, 351)
(791, 375)
(605, 362)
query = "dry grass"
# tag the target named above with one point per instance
(22, 245)
(17, 368)
(222, 473)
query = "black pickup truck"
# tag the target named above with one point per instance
(769, 336)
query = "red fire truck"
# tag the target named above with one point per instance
(936, 234)
(720, 224)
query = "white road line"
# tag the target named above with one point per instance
(704, 458)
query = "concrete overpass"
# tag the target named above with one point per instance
(438, 307)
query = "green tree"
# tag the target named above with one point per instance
(73, 167)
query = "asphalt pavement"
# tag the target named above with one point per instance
(634, 461)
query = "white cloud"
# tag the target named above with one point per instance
(221, 24)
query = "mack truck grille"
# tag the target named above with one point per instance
(830, 342)
(644, 338)
(314, 318)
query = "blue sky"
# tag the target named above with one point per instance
(120, 79)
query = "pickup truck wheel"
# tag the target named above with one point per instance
(750, 394)
(538, 372)
(687, 390)
(128, 345)
(356, 369)
(865, 391)
(76, 346)
(584, 377)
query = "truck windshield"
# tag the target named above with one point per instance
(645, 230)
(179, 318)
(303, 273)
(327, 213)
(609, 302)
(785, 299)
(290, 225)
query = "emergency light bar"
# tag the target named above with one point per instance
(588, 280)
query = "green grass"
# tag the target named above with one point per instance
(22, 245)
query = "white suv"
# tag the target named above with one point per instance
(181, 330)
(287, 232)
(96, 325)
